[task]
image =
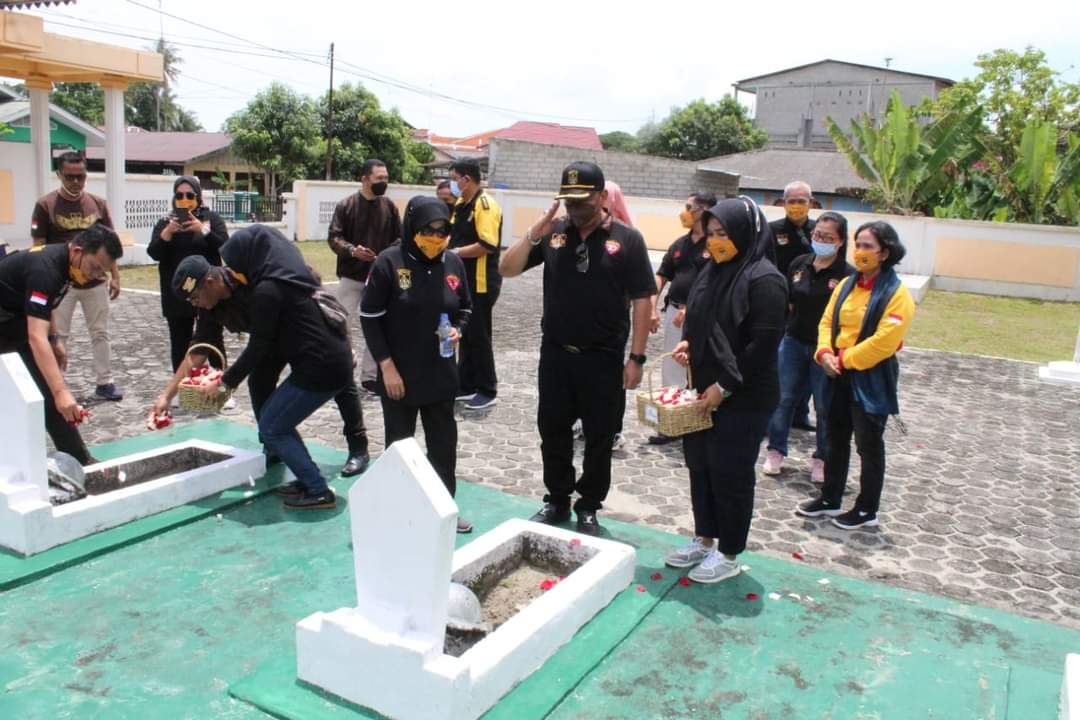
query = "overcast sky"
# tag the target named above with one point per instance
(612, 66)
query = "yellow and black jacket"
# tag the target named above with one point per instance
(479, 221)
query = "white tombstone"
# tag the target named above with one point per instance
(1069, 703)
(1063, 372)
(387, 653)
(30, 523)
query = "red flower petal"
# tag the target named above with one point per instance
(751, 596)
(547, 584)
(640, 588)
(575, 542)
(684, 581)
(797, 555)
(656, 576)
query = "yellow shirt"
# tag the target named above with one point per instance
(887, 338)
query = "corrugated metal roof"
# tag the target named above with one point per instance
(773, 168)
(167, 147)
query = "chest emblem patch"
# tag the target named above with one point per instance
(833, 283)
(612, 247)
(453, 282)
(404, 278)
(797, 276)
(782, 239)
(557, 241)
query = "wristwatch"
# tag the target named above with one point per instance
(639, 359)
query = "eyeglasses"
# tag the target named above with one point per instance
(581, 256)
(74, 178)
(822, 237)
(186, 196)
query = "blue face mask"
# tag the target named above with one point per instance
(824, 250)
(455, 189)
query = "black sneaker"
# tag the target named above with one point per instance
(355, 465)
(109, 391)
(306, 501)
(855, 518)
(289, 489)
(661, 439)
(551, 514)
(372, 386)
(587, 523)
(818, 507)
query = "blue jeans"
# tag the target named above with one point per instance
(799, 373)
(283, 411)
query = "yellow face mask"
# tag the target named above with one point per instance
(187, 204)
(77, 275)
(797, 213)
(431, 245)
(687, 219)
(721, 250)
(866, 261)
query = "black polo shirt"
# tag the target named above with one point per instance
(589, 309)
(32, 283)
(809, 291)
(791, 241)
(680, 266)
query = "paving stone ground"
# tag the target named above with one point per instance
(981, 501)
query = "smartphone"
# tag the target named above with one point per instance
(182, 215)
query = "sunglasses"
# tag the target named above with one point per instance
(581, 257)
(74, 178)
(186, 196)
(438, 232)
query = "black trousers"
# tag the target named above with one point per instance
(264, 379)
(65, 437)
(722, 475)
(846, 416)
(181, 330)
(586, 385)
(440, 433)
(476, 362)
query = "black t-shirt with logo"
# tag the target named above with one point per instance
(588, 286)
(680, 266)
(791, 241)
(32, 283)
(809, 290)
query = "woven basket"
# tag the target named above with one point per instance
(192, 399)
(669, 420)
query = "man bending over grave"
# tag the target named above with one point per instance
(32, 284)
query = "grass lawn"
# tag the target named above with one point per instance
(960, 322)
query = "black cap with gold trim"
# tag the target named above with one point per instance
(579, 179)
(189, 273)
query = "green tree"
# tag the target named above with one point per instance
(701, 130)
(362, 130)
(278, 131)
(84, 100)
(620, 141)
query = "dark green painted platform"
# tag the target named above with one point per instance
(162, 623)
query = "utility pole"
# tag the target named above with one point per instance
(330, 118)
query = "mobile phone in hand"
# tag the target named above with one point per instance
(182, 215)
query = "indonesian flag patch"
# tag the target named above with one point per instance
(39, 298)
(895, 319)
(453, 282)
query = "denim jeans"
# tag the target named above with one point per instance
(799, 372)
(284, 410)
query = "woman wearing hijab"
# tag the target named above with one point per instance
(861, 331)
(812, 278)
(412, 286)
(191, 229)
(734, 322)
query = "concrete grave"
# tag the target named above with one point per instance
(391, 652)
(1063, 372)
(118, 491)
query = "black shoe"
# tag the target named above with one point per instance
(855, 518)
(289, 489)
(661, 439)
(306, 501)
(109, 391)
(464, 527)
(551, 514)
(817, 508)
(372, 386)
(355, 465)
(804, 425)
(587, 524)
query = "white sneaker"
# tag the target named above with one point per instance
(688, 555)
(619, 441)
(715, 568)
(774, 460)
(817, 472)
(230, 404)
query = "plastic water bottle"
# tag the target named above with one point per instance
(446, 345)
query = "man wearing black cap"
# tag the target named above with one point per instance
(595, 268)
(32, 284)
(476, 226)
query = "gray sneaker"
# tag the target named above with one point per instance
(715, 568)
(688, 555)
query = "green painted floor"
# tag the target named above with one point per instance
(166, 625)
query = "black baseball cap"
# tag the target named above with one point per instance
(189, 273)
(579, 179)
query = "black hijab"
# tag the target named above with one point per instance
(258, 253)
(421, 211)
(719, 300)
(200, 210)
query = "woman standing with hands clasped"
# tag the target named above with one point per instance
(190, 229)
(734, 322)
(413, 311)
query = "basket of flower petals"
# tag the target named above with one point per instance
(671, 411)
(192, 394)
